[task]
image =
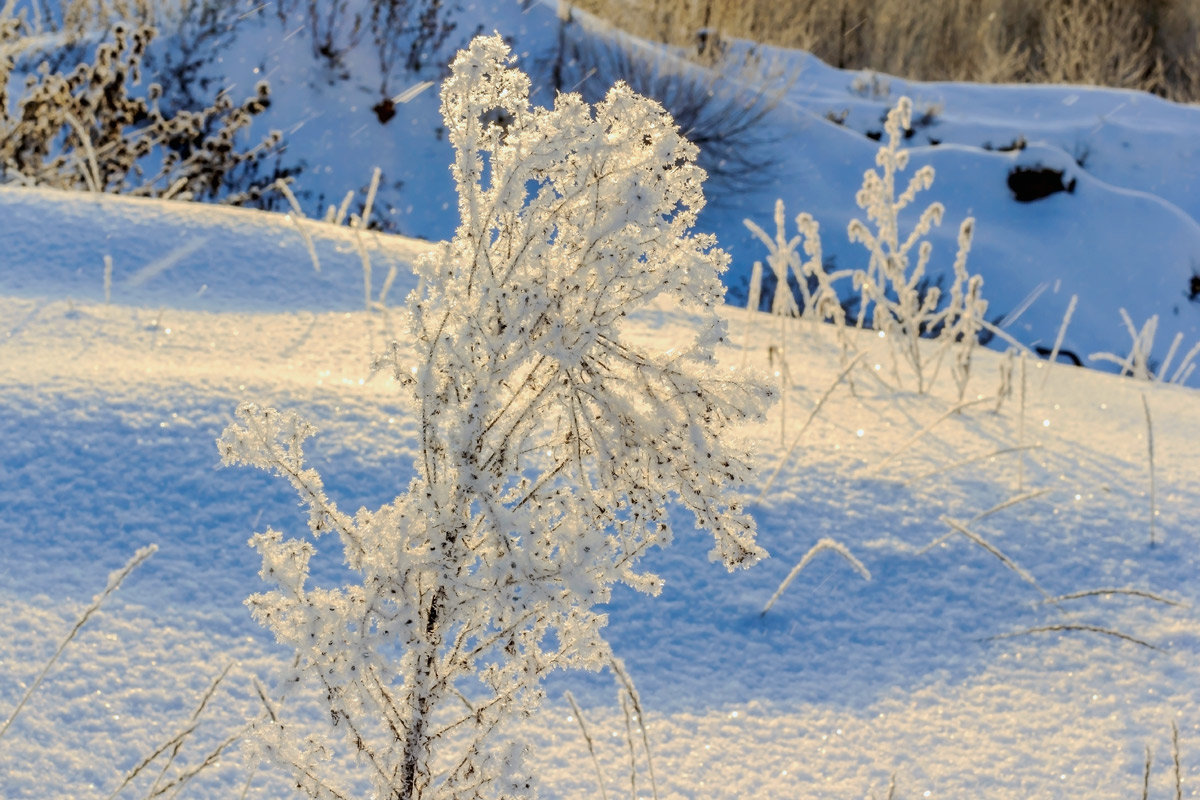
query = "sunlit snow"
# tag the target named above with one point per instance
(995, 667)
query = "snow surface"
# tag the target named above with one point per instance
(109, 412)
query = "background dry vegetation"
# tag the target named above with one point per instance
(1153, 45)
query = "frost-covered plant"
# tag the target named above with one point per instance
(1139, 363)
(962, 319)
(84, 130)
(818, 298)
(784, 260)
(549, 446)
(900, 300)
(904, 306)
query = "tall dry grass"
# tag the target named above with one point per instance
(1153, 45)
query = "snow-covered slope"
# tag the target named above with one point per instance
(109, 418)
(207, 244)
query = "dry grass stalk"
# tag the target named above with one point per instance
(1058, 340)
(1105, 592)
(108, 274)
(1021, 426)
(249, 780)
(618, 668)
(633, 795)
(590, 744)
(1146, 776)
(995, 551)
(182, 779)
(204, 699)
(175, 741)
(891, 789)
(1150, 454)
(296, 215)
(1012, 501)
(822, 545)
(174, 745)
(1175, 759)
(753, 298)
(1136, 44)
(994, 509)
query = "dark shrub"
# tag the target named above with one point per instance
(1034, 183)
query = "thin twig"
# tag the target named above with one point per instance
(114, 581)
(811, 416)
(262, 695)
(916, 436)
(999, 507)
(304, 771)
(1102, 592)
(973, 459)
(1070, 626)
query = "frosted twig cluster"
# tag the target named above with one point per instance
(818, 299)
(1141, 365)
(897, 297)
(83, 130)
(549, 446)
(904, 305)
